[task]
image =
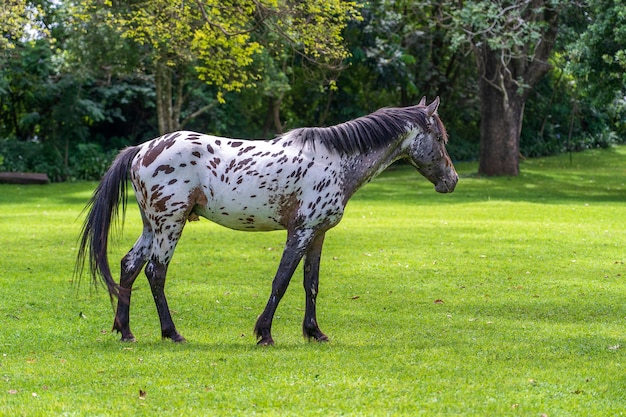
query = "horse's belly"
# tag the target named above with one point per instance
(242, 218)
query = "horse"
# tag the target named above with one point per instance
(299, 181)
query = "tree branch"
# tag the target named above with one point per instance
(197, 113)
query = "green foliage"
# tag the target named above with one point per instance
(25, 87)
(91, 77)
(50, 104)
(230, 45)
(217, 36)
(561, 115)
(597, 56)
(596, 60)
(95, 49)
(493, 300)
(462, 149)
(89, 162)
(20, 156)
(15, 17)
(512, 26)
(127, 106)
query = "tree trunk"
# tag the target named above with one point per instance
(158, 84)
(276, 111)
(164, 104)
(502, 112)
(269, 117)
(178, 104)
(272, 117)
(506, 78)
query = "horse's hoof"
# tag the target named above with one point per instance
(173, 335)
(128, 339)
(320, 339)
(315, 334)
(178, 339)
(266, 341)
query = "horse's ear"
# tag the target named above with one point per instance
(422, 102)
(432, 107)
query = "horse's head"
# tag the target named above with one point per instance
(427, 150)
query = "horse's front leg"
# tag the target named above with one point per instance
(295, 247)
(310, 328)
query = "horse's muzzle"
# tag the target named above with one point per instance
(447, 185)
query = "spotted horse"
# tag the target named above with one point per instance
(300, 182)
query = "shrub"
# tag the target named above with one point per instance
(89, 161)
(30, 156)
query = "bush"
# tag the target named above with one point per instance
(463, 150)
(89, 161)
(604, 139)
(30, 156)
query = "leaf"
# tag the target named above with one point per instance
(142, 394)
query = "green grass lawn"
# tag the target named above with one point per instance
(507, 297)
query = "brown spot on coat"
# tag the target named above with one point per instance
(157, 146)
(160, 205)
(167, 169)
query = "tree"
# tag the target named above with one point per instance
(511, 41)
(216, 41)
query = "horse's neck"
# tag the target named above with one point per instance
(360, 169)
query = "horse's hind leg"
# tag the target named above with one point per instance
(131, 266)
(156, 272)
(310, 328)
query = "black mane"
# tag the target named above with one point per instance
(368, 132)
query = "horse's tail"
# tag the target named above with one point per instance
(103, 209)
